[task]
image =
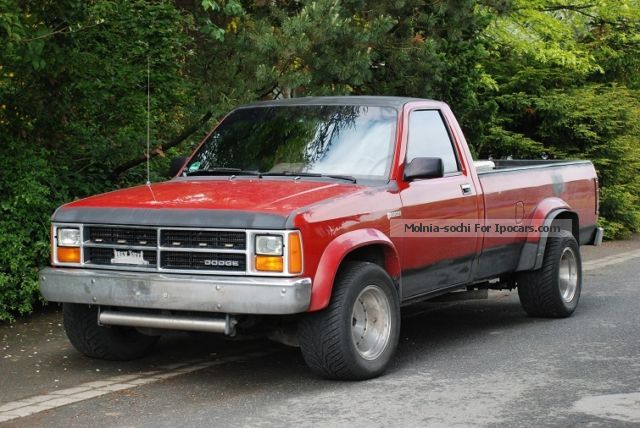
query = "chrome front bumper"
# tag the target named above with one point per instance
(206, 293)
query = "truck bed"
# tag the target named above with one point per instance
(516, 188)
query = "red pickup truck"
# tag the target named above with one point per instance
(314, 220)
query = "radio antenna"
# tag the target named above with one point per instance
(148, 121)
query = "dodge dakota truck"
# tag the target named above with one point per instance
(314, 221)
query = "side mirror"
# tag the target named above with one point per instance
(424, 168)
(176, 166)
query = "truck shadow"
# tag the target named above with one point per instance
(430, 331)
(427, 328)
(432, 324)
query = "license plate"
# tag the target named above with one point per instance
(128, 257)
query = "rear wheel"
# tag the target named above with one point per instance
(553, 291)
(107, 343)
(355, 337)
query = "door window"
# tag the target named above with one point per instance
(428, 137)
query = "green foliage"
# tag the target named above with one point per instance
(73, 106)
(566, 79)
(595, 122)
(25, 208)
(526, 78)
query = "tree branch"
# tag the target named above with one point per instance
(572, 7)
(63, 30)
(117, 171)
(265, 92)
(581, 9)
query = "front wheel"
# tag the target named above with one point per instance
(107, 343)
(355, 337)
(553, 291)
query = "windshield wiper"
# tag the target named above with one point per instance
(309, 174)
(222, 171)
(238, 171)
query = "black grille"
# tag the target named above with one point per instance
(103, 256)
(104, 243)
(121, 236)
(202, 261)
(203, 239)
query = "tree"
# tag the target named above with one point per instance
(566, 79)
(526, 78)
(73, 106)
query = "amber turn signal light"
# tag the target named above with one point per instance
(68, 255)
(269, 263)
(295, 253)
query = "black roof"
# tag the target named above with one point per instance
(365, 100)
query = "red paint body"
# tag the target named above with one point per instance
(335, 218)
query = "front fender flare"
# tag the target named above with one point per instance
(335, 253)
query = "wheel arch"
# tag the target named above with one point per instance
(369, 245)
(548, 211)
(575, 221)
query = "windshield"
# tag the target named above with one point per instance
(354, 141)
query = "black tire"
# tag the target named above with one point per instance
(325, 337)
(541, 291)
(106, 343)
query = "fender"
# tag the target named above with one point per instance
(544, 215)
(335, 253)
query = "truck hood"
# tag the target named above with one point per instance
(211, 202)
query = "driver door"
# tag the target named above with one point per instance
(429, 263)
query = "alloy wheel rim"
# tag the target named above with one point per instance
(568, 275)
(371, 322)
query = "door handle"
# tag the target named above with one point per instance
(466, 189)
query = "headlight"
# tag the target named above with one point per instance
(269, 245)
(69, 237)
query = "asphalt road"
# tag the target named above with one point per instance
(480, 362)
